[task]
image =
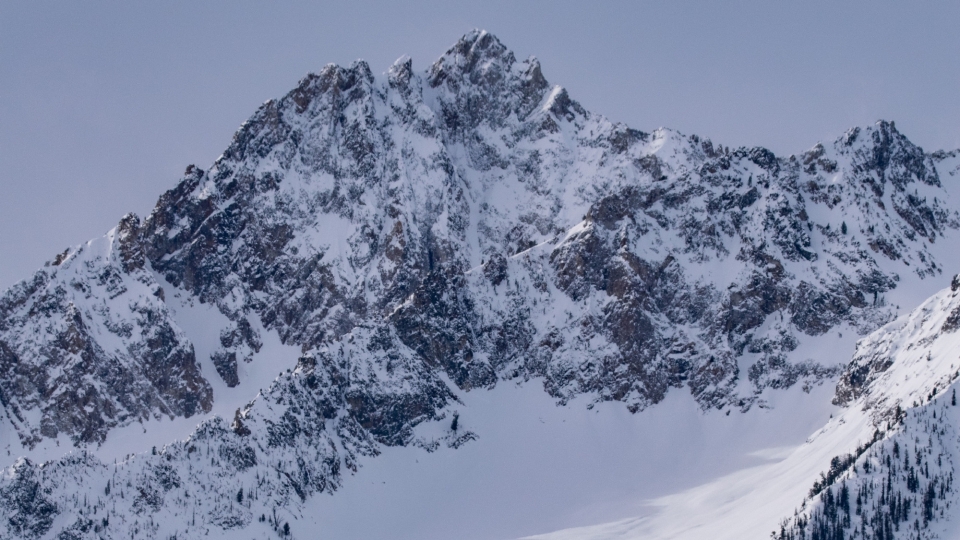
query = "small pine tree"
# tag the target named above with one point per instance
(953, 399)
(286, 529)
(240, 496)
(843, 227)
(456, 422)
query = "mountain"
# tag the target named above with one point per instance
(396, 246)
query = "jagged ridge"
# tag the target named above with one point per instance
(474, 224)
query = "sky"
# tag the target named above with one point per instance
(104, 104)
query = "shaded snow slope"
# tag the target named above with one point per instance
(533, 465)
(536, 466)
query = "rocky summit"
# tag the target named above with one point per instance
(415, 236)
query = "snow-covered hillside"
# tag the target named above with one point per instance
(904, 378)
(882, 467)
(378, 263)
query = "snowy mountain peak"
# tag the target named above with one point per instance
(369, 250)
(476, 55)
(401, 70)
(881, 148)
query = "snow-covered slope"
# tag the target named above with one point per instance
(882, 467)
(393, 245)
(901, 486)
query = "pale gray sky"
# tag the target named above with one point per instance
(103, 104)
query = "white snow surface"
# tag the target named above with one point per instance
(537, 466)
(752, 501)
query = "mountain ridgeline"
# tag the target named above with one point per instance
(418, 234)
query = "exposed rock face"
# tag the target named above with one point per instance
(25, 502)
(499, 230)
(463, 226)
(88, 344)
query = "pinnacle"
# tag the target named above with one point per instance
(475, 48)
(479, 40)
